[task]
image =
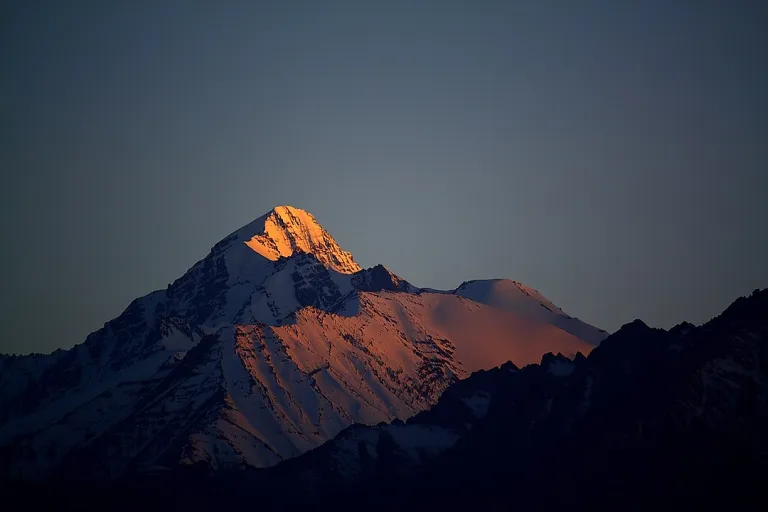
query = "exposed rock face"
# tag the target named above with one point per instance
(378, 278)
(267, 347)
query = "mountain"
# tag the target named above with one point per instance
(649, 418)
(269, 346)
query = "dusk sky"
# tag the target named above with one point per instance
(611, 154)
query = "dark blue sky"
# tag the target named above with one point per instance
(610, 154)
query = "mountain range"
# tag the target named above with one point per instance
(650, 419)
(273, 344)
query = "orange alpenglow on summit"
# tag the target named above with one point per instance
(269, 346)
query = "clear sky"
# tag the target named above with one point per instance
(611, 154)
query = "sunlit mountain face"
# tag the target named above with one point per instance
(271, 345)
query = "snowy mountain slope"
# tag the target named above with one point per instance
(514, 296)
(361, 452)
(267, 347)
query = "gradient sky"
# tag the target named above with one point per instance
(611, 154)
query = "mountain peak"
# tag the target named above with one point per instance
(286, 230)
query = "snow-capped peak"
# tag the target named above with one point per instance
(271, 344)
(285, 230)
